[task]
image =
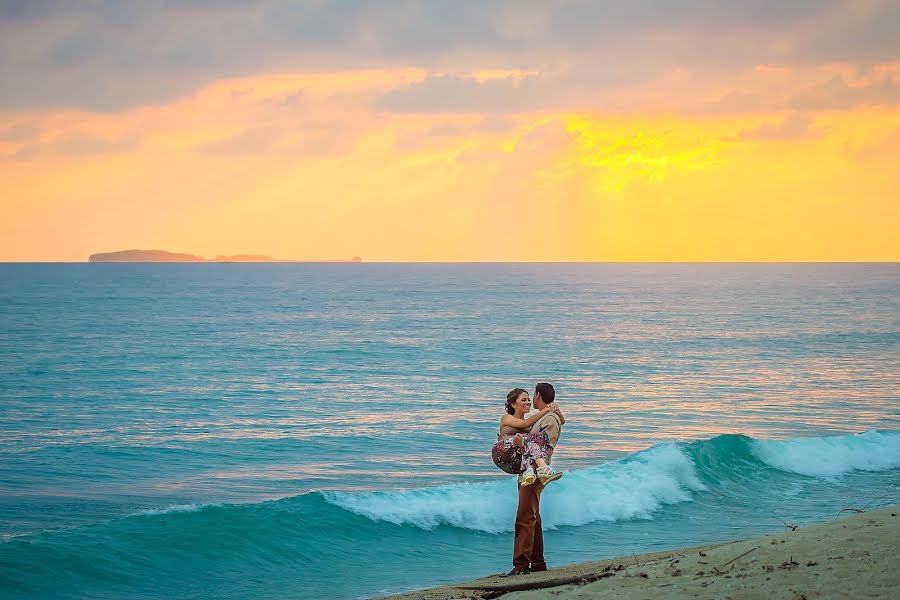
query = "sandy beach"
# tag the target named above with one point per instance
(854, 556)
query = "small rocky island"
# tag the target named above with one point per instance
(165, 256)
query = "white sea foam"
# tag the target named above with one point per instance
(172, 508)
(831, 456)
(621, 490)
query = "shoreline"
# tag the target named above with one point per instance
(848, 557)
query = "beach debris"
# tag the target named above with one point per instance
(675, 572)
(893, 514)
(536, 585)
(702, 553)
(856, 510)
(811, 563)
(741, 555)
(790, 564)
(799, 596)
(642, 574)
(790, 526)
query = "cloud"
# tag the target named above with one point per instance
(461, 133)
(733, 101)
(19, 132)
(795, 126)
(109, 55)
(851, 31)
(455, 94)
(837, 94)
(548, 137)
(77, 145)
(269, 140)
(496, 124)
(251, 141)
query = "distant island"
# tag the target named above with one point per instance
(165, 256)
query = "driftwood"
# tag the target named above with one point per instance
(536, 585)
(856, 510)
(741, 556)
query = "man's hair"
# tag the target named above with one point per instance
(511, 399)
(548, 394)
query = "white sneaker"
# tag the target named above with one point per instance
(527, 477)
(547, 474)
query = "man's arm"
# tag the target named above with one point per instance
(549, 424)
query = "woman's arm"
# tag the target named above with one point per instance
(523, 423)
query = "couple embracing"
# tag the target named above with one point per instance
(525, 447)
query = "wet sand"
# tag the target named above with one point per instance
(855, 556)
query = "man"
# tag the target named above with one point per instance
(528, 548)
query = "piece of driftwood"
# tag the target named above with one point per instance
(741, 556)
(536, 585)
(856, 510)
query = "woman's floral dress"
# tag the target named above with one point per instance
(513, 459)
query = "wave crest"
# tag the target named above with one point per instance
(633, 487)
(831, 456)
(172, 508)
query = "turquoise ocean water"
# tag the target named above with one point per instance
(323, 430)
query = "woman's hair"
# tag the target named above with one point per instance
(511, 400)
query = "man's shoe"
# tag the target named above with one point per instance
(538, 569)
(515, 571)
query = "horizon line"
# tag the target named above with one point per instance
(339, 261)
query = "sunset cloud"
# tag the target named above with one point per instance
(426, 130)
(794, 126)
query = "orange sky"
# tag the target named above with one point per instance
(769, 145)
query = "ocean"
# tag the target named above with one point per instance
(323, 430)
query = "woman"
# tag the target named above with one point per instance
(518, 451)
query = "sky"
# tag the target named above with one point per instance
(463, 130)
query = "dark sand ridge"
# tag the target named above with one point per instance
(165, 256)
(850, 557)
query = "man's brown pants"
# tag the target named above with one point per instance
(528, 548)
